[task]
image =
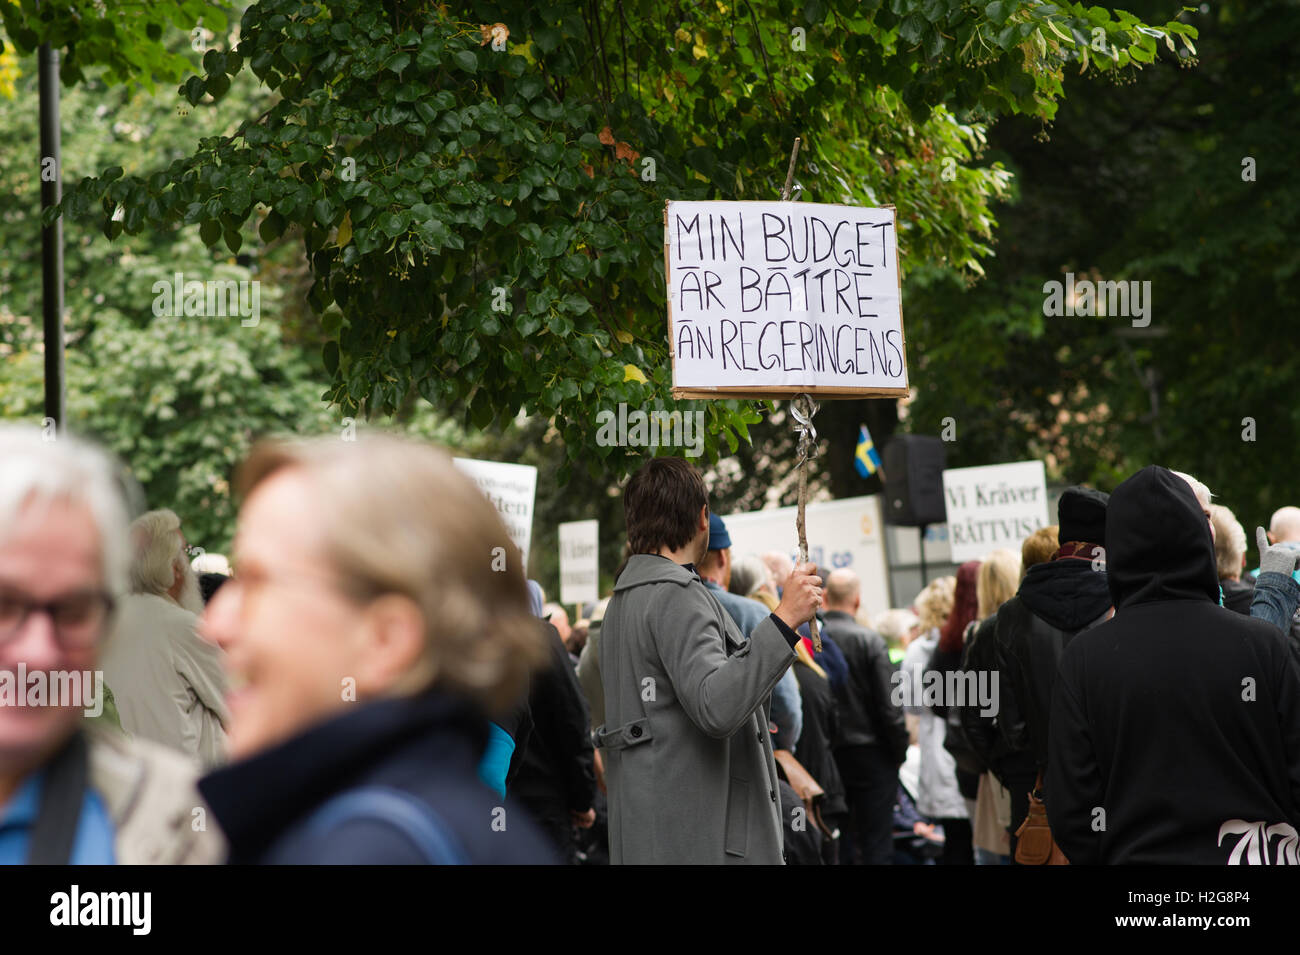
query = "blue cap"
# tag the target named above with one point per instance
(719, 539)
(535, 597)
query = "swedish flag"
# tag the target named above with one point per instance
(867, 458)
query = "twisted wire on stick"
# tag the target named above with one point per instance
(802, 409)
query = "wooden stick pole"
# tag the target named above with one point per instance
(807, 445)
(789, 173)
(803, 424)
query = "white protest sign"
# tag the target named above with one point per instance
(511, 489)
(844, 533)
(769, 299)
(579, 547)
(998, 505)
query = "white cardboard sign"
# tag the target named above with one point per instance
(844, 533)
(579, 550)
(997, 505)
(771, 299)
(511, 488)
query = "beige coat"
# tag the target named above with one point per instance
(992, 816)
(168, 682)
(157, 813)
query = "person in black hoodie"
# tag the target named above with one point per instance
(1175, 726)
(1057, 600)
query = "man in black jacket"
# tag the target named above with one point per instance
(1056, 601)
(1175, 726)
(872, 740)
(555, 773)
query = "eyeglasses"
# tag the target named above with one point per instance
(78, 618)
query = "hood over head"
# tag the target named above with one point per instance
(1068, 593)
(1158, 544)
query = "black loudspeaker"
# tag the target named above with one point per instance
(914, 466)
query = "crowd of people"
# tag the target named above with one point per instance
(365, 681)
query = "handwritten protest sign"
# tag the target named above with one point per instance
(511, 488)
(771, 299)
(998, 505)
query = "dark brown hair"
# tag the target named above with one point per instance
(662, 505)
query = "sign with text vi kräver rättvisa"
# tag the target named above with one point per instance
(770, 299)
(996, 505)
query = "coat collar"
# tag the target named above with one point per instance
(257, 798)
(652, 569)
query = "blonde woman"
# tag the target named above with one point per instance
(377, 617)
(996, 583)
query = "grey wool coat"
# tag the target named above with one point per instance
(687, 751)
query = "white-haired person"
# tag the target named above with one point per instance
(1230, 559)
(377, 619)
(168, 682)
(71, 793)
(1275, 598)
(750, 577)
(899, 627)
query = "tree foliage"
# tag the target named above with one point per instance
(123, 43)
(473, 194)
(178, 398)
(1149, 183)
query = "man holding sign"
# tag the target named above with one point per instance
(688, 755)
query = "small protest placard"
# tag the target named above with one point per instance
(579, 547)
(997, 505)
(511, 488)
(773, 299)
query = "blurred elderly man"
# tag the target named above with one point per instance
(70, 793)
(168, 682)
